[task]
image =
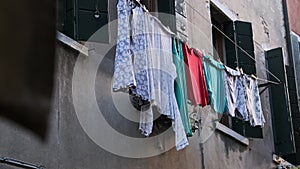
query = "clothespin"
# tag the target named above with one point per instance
(203, 52)
(177, 39)
(144, 7)
(200, 54)
(210, 54)
(253, 76)
(241, 70)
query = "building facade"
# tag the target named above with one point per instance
(232, 31)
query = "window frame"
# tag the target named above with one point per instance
(232, 123)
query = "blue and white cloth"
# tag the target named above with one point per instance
(123, 69)
(235, 93)
(144, 63)
(138, 47)
(243, 97)
(162, 74)
(253, 102)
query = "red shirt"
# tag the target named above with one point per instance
(195, 79)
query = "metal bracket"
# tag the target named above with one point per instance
(21, 164)
(265, 85)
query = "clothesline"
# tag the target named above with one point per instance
(167, 29)
(208, 21)
(133, 69)
(248, 56)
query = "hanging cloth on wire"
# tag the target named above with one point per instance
(236, 94)
(162, 73)
(123, 69)
(138, 47)
(196, 84)
(180, 86)
(214, 76)
(256, 116)
(243, 97)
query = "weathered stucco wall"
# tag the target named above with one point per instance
(68, 146)
(268, 32)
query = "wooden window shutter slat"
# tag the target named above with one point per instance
(281, 115)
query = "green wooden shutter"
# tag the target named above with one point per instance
(166, 13)
(81, 23)
(294, 99)
(292, 89)
(296, 57)
(244, 38)
(281, 116)
(242, 33)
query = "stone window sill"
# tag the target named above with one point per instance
(224, 129)
(72, 43)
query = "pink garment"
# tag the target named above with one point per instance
(196, 85)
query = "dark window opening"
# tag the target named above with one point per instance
(151, 5)
(82, 19)
(218, 19)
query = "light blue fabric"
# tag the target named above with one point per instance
(256, 116)
(140, 54)
(214, 75)
(146, 63)
(180, 86)
(162, 73)
(236, 94)
(123, 68)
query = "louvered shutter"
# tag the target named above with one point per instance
(281, 115)
(241, 33)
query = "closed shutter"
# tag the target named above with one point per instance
(296, 57)
(294, 111)
(244, 38)
(281, 115)
(241, 32)
(81, 22)
(166, 13)
(294, 99)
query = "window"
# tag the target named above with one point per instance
(164, 10)
(150, 5)
(218, 19)
(241, 33)
(80, 19)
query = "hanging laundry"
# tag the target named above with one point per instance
(253, 102)
(236, 94)
(146, 116)
(197, 90)
(162, 73)
(123, 69)
(138, 47)
(214, 76)
(180, 86)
